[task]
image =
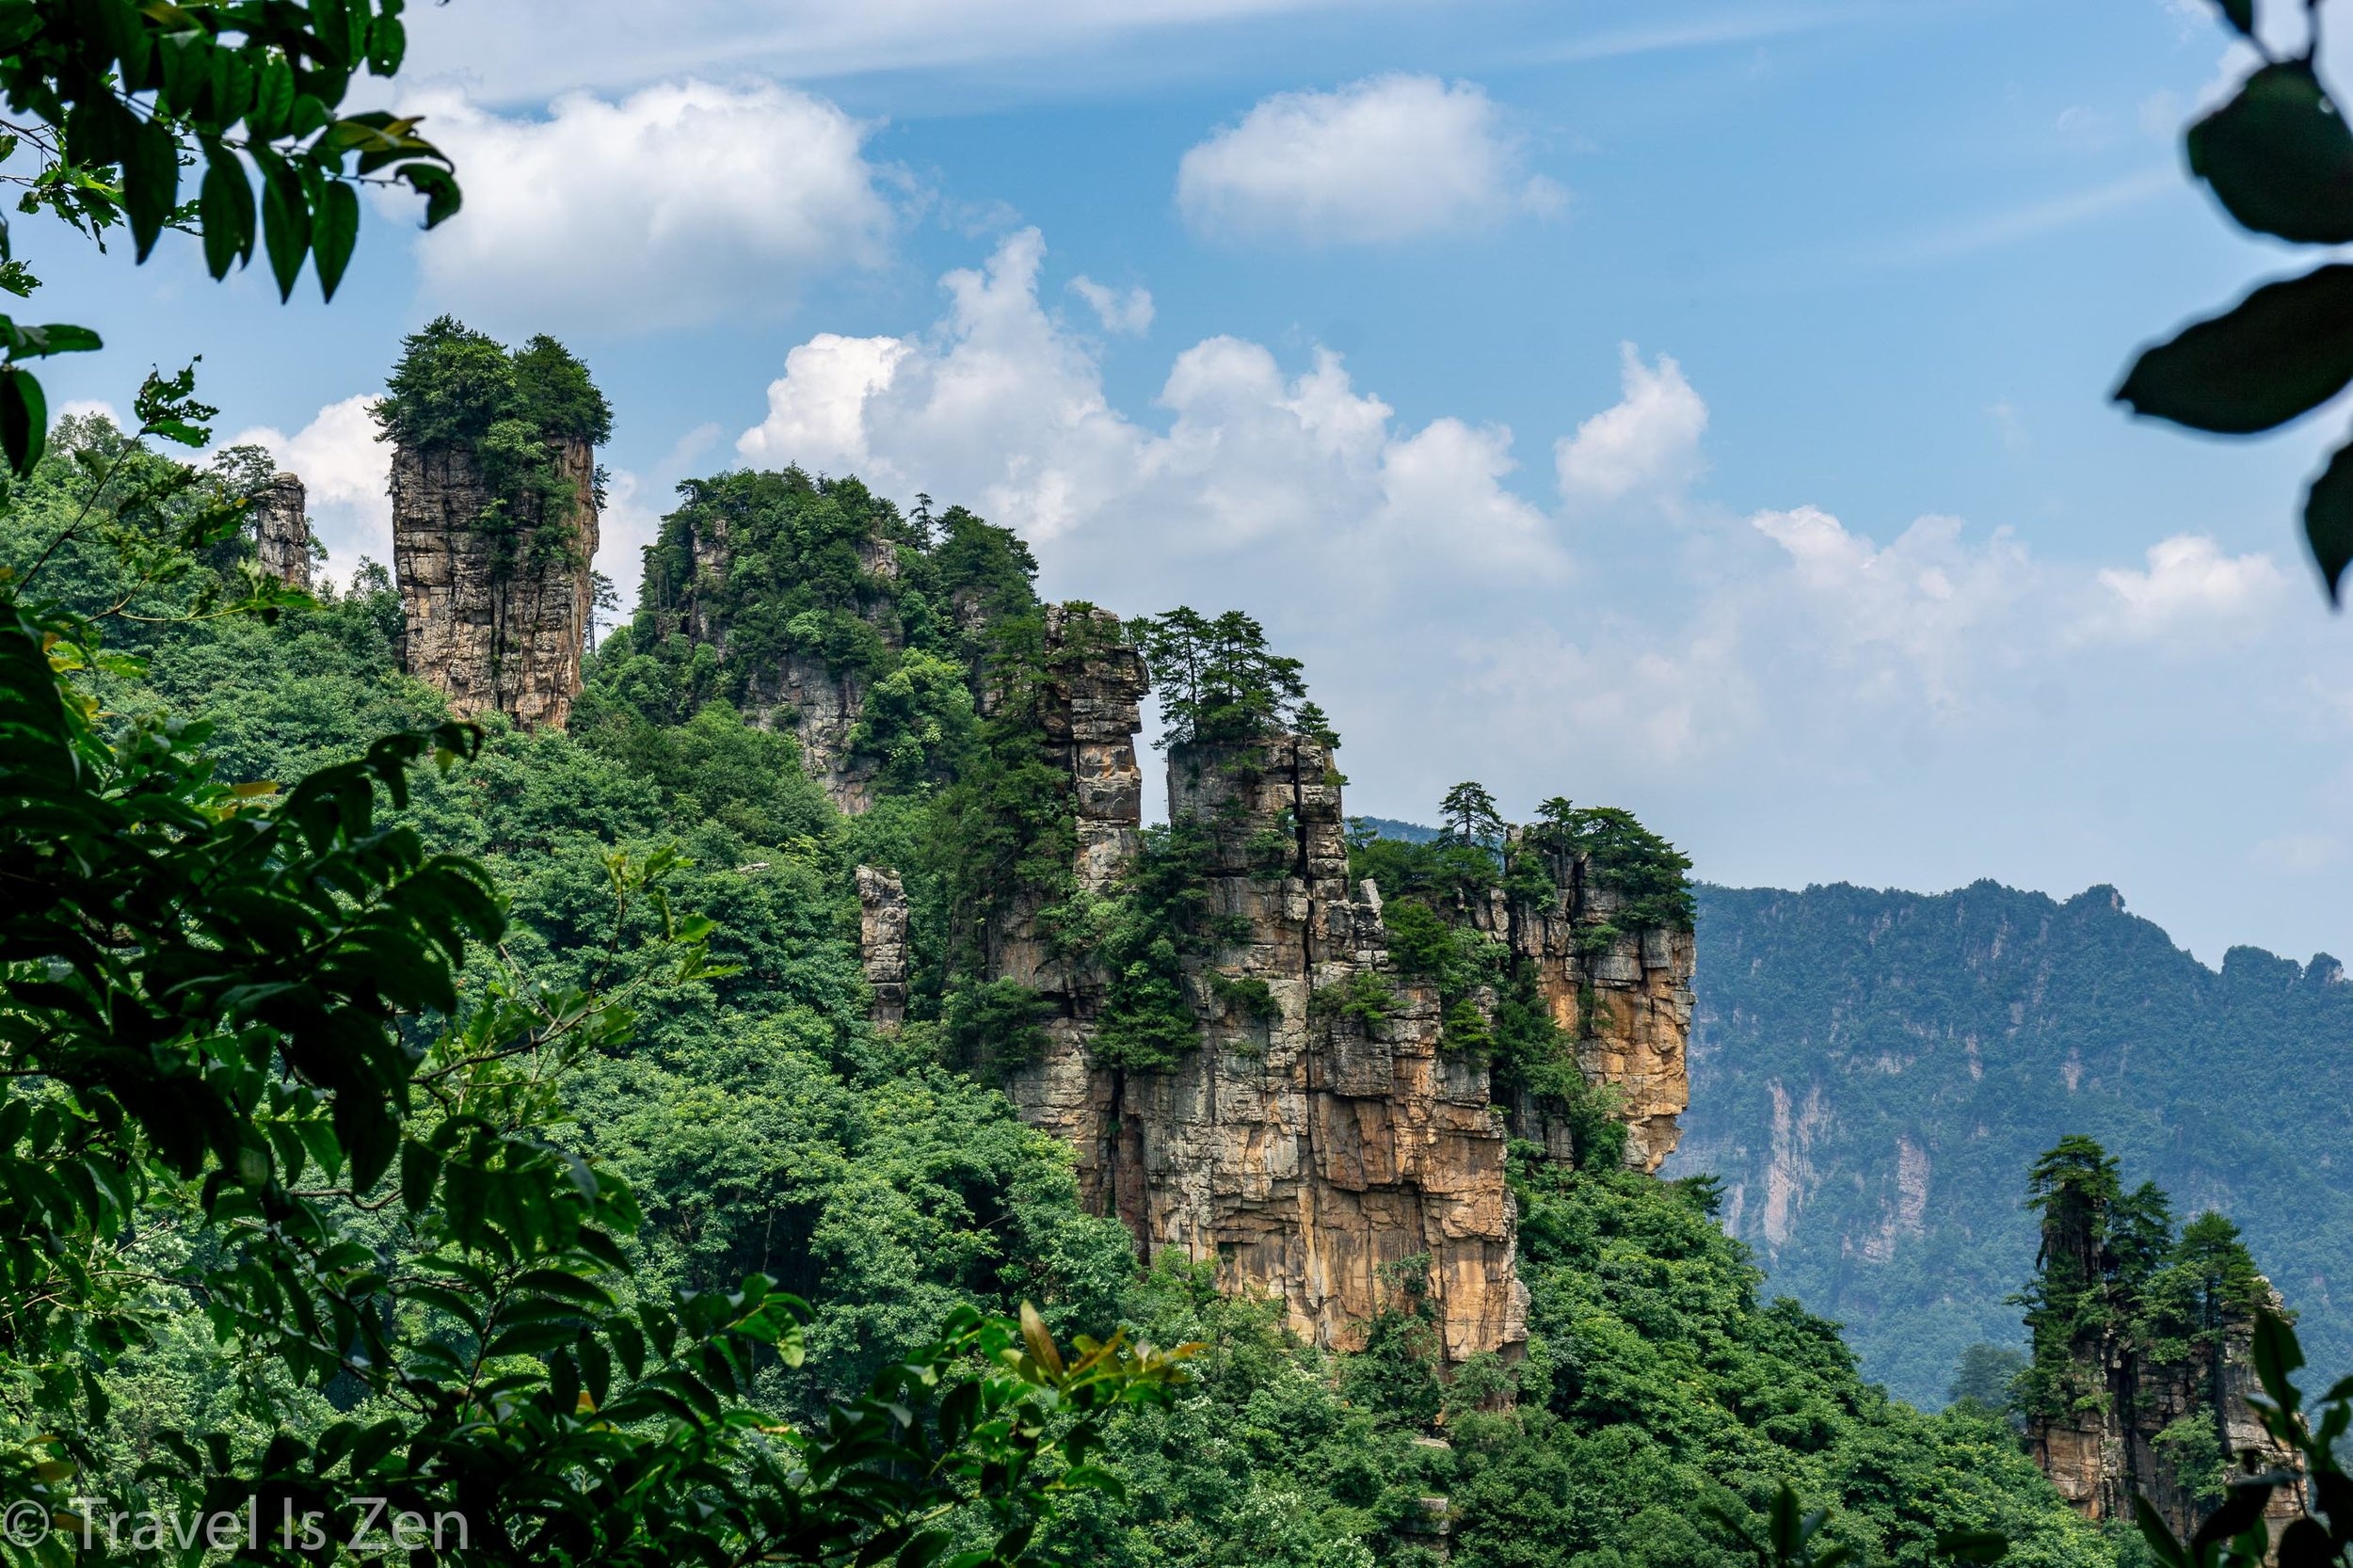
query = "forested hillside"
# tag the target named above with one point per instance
(765, 1125)
(1872, 1070)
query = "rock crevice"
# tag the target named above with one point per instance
(1320, 1147)
(495, 593)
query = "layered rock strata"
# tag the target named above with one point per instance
(1330, 1157)
(882, 942)
(1337, 1164)
(281, 531)
(495, 604)
(2105, 1451)
(1622, 996)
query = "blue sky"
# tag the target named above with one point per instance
(1695, 408)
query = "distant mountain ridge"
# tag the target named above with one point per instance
(1872, 1072)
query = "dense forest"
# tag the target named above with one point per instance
(1872, 1070)
(764, 1124)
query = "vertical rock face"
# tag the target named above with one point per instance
(495, 616)
(1624, 996)
(821, 708)
(801, 692)
(2100, 1455)
(882, 942)
(282, 531)
(1337, 1164)
(1332, 1158)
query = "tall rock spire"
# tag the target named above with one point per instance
(495, 591)
(281, 531)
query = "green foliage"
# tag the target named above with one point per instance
(1365, 997)
(2278, 158)
(1653, 877)
(1984, 1377)
(1976, 1028)
(1158, 924)
(113, 101)
(993, 1024)
(490, 1305)
(456, 388)
(1656, 1378)
(1457, 960)
(1217, 682)
(2236, 1534)
(1470, 816)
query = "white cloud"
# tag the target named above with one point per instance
(346, 472)
(1648, 440)
(2298, 853)
(1127, 311)
(79, 407)
(1921, 626)
(1004, 408)
(1384, 159)
(683, 202)
(1822, 664)
(2190, 589)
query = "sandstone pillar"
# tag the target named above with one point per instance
(495, 604)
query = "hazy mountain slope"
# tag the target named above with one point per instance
(1873, 1071)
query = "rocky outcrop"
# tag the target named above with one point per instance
(1624, 996)
(2101, 1453)
(882, 943)
(1336, 1161)
(281, 531)
(802, 692)
(1318, 1146)
(495, 600)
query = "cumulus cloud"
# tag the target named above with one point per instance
(1127, 311)
(2298, 853)
(682, 202)
(346, 472)
(1648, 440)
(1785, 664)
(1385, 159)
(2190, 588)
(1003, 406)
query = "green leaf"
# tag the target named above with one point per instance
(273, 100)
(285, 221)
(2328, 519)
(2306, 1545)
(335, 228)
(2279, 157)
(420, 1168)
(225, 209)
(2240, 14)
(150, 181)
(2284, 350)
(2159, 1535)
(2275, 1355)
(437, 186)
(23, 419)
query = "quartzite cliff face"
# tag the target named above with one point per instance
(2102, 1453)
(495, 608)
(281, 531)
(1315, 1155)
(801, 691)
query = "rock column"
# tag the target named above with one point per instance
(882, 942)
(1624, 996)
(495, 610)
(282, 531)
